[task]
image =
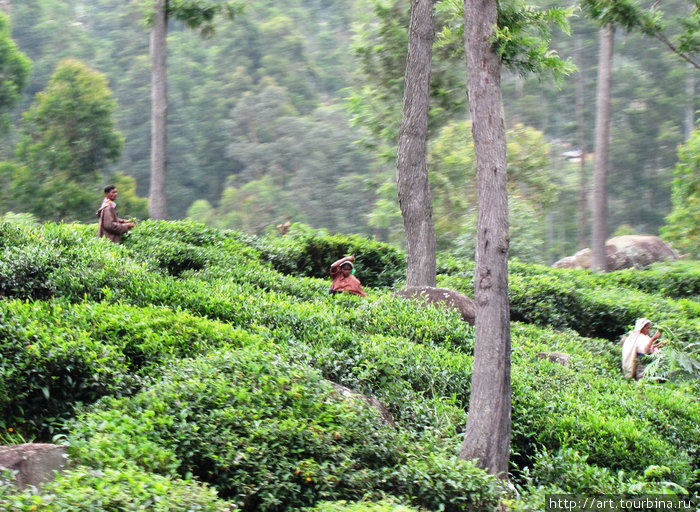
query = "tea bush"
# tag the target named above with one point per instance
(46, 370)
(55, 355)
(559, 407)
(605, 312)
(678, 279)
(308, 252)
(119, 322)
(361, 506)
(125, 490)
(270, 434)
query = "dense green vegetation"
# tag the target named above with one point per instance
(191, 368)
(291, 114)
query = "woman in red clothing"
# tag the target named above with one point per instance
(343, 280)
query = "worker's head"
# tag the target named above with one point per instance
(347, 268)
(111, 192)
(642, 325)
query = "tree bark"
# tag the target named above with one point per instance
(602, 140)
(411, 167)
(690, 109)
(581, 135)
(159, 111)
(487, 436)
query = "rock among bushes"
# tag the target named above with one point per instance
(628, 251)
(35, 463)
(430, 295)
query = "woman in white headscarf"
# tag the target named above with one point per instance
(638, 344)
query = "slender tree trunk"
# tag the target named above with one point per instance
(487, 436)
(690, 102)
(581, 135)
(159, 110)
(602, 140)
(412, 170)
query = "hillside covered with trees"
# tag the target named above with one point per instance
(292, 114)
(202, 363)
(190, 368)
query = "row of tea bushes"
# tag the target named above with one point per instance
(558, 300)
(270, 434)
(150, 309)
(308, 252)
(54, 355)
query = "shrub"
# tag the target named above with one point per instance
(269, 435)
(127, 489)
(385, 505)
(307, 252)
(605, 419)
(46, 370)
(55, 355)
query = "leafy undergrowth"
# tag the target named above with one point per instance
(195, 369)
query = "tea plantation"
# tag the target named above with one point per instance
(191, 369)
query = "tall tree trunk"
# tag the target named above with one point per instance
(487, 436)
(581, 135)
(159, 110)
(602, 140)
(690, 102)
(411, 167)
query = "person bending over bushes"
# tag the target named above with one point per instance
(343, 279)
(637, 346)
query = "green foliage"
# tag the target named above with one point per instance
(600, 305)
(128, 489)
(130, 204)
(14, 70)
(453, 186)
(209, 365)
(56, 355)
(677, 360)
(308, 252)
(69, 137)
(683, 223)
(522, 37)
(46, 369)
(198, 14)
(267, 434)
(360, 506)
(624, 436)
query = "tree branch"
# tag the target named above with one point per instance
(675, 50)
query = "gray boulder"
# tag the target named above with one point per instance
(445, 297)
(556, 357)
(34, 463)
(628, 251)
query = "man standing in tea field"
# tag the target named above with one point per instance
(110, 225)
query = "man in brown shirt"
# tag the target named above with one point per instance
(110, 226)
(343, 280)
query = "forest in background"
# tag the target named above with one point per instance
(291, 114)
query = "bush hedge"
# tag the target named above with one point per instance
(125, 490)
(83, 319)
(270, 434)
(308, 252)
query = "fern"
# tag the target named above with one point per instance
(675, 360)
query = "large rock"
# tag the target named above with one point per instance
(433, 296)
(629, 251)
(556, 357)
(35, 463)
